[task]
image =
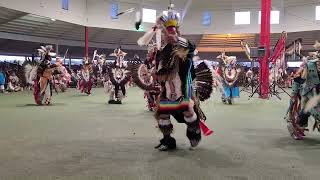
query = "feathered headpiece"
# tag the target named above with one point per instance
(86, 61)
(45, 52)
(118, 52)
(100, 58)
(227, 60)
(172, 18)
(59, 60)
(166, 22)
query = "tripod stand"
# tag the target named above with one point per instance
(248, 84)
(256, 91)
(273, 89)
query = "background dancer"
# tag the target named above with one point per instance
(119, 77)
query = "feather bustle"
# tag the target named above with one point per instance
(203, 81)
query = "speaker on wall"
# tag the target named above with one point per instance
(257, 52)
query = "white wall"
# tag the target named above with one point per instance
(99, 14)
(51, 8)
(293, 18)
(96, 13)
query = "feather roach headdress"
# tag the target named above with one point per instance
(171, 18)
(45, 52)
(167, 22)
(227, 60)
(118, 52)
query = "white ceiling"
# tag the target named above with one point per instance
(28, 25)
(295, 15)
(20, 23)
(217, 4)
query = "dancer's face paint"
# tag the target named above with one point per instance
(172, 30)
(172, 34)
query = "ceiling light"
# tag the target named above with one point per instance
(53, 19)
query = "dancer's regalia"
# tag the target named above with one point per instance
(229, 73)
(152, 95)
(85, 80)
(62, 80)
(306, 86)
(43, 82)
(30, 68)
(216, 78)
(144, 75)
(181, 85)
(119, 77)
(100, 68)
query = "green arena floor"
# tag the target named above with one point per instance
(82, 137)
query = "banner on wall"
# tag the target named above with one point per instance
(65, 4)
(206, 18)
(114, 11)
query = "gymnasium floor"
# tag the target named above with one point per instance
(81, 137)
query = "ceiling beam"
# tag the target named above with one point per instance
(17, 16)
(96, 34)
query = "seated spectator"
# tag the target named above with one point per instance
(13, 83)
(2, 80)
